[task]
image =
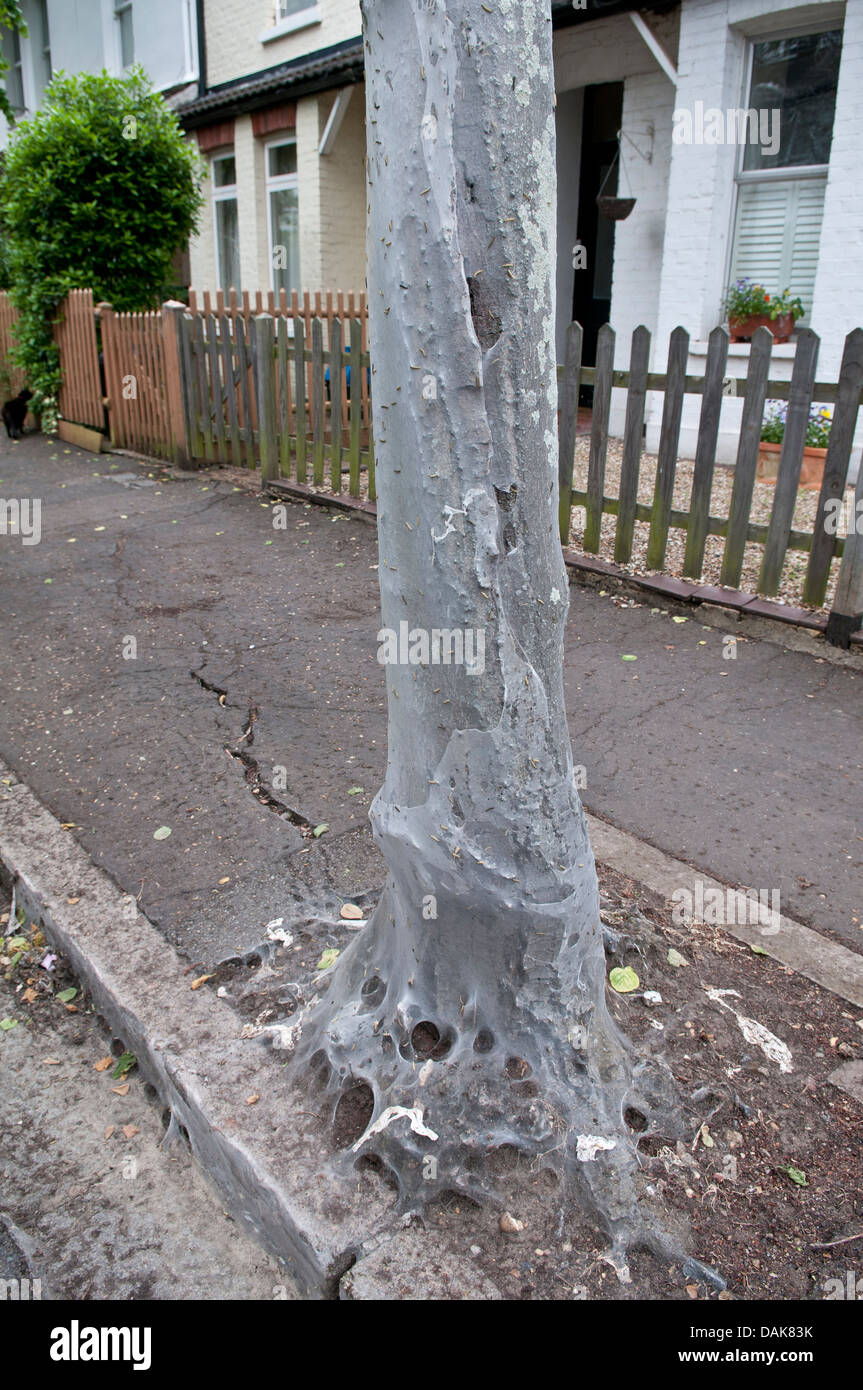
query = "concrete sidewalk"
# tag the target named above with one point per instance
(256, 653)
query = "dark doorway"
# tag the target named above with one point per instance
(591, 299)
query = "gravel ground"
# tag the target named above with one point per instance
(794, 570)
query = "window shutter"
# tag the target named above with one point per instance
(777, 233)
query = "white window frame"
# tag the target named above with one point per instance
(45, 22)
(290, 23)
(224, 194)
(275, 183)
(122, 7)
(789, 172)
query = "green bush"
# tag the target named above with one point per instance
(98, 191)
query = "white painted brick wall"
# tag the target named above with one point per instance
(234, 45)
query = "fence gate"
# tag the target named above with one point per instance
(75, 335)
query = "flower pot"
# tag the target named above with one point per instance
(615, 209)
(811, 471)
(742, 330)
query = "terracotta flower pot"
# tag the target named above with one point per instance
(811, 471)
(742, 330)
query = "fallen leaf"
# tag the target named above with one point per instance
(122, 1090)
(355, 791)
(125, 1062)
(8, 1023)
(50, 1061)
(692, 1290)
(29, 996)
(623, 979)
(679, 620)
(319, 830)
(351, 912)
(252, 1100)
(327, 959)
(109, 1131)
(797, 1176)
(675, 958)
(162, 833)
(130, 1131)
(226, 879)
(73, 901)
(104, 1064)
(67, 995)
(68, 825)
(629, 658)
(201, 980)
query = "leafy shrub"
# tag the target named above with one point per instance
(99, 190)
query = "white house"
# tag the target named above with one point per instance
(92, 35)
(785, 209)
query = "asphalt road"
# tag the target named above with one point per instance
(750, 768)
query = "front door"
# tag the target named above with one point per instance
(591, 300)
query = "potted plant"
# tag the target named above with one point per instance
(748, 306)
(814, 452)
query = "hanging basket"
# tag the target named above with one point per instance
(615, 209)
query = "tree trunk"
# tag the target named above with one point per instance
(476, 995)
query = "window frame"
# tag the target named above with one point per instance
(276, 183)
(291, 23)
(786, 173)
(121, 9)
(16, 65)
(224, 193)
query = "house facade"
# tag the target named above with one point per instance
(91, 35)
(740, 122)
(280, 120)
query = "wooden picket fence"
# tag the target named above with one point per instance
(777, 537)
(288, 389)
(74, 333)
(285, 382)
(11, 377)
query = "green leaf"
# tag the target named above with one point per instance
(162, 833)
(355, 791)
(319, 830)
(797, 1176)
(623, 979)
(67, 995)
(125, 1063)
(17, 943)
(758, 950)
(629, 658)
(7, 1023)
(328, 958)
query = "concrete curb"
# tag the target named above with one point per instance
(261, 1157)
(803, 950)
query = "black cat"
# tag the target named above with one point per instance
(14, 414)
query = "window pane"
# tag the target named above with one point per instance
(13, 81)
(127, 37)
(796, 77)
(228, 243)
(225, 171)
(282, 159)
(289, 7)
(285, 229)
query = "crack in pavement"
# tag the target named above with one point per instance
(251, 768)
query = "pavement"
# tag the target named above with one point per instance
(173, 662)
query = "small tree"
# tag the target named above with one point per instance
(469, 1016)
(99, 190)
